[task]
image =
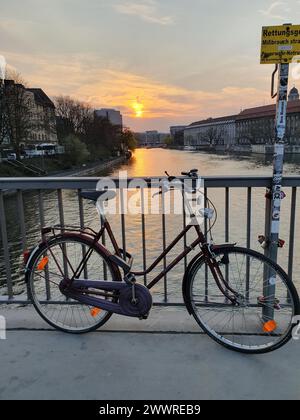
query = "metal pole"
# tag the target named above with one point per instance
(276, 192)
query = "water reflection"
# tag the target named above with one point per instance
(154, 162)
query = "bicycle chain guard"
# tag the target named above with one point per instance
(125, 306)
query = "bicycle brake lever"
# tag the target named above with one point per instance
(155, 194)
(170, 178)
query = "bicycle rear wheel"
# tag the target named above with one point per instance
(267, 301)
(56, 260)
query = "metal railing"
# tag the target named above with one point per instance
(22, 199)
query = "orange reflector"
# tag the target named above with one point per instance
(95, 312)
(270, 326)
(43, 264)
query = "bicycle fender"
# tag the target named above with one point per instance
(29, 259)
(226, 245)
(71, 235)
(185, 282)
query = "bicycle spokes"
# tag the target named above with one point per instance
(262, 315)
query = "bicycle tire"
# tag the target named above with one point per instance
(291, 289)
(65, 239)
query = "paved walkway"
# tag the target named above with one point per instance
(165, 358)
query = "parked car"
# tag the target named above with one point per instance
(11, 156)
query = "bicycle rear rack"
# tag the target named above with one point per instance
(126, 256)
(68, 228)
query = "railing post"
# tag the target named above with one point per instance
(81, 219)
(249, 220)
(164, 238)
(5, 247)
(42, 225)
(22, 226)
(144, 234)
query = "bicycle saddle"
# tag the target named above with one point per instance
(95, 195)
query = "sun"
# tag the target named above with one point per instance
(138, 108)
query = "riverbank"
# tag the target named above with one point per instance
(86, 170)
(55, 170)
(255, 149)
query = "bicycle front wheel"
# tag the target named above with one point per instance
(57, 259)
(262, 319)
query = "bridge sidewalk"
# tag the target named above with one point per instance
(166, 357)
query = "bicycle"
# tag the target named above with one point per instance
(240, 298)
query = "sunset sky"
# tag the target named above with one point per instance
(161, 62)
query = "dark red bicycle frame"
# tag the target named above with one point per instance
(205, 251)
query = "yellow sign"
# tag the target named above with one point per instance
(280, 44)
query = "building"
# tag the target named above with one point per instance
(27, 117)
(43, 118)
(152, 138)
(113, 116)
(177, 134)
(141, 139)
(252, 129)
(294, 94)
(213, 132)
(256, 126)
(176, 129)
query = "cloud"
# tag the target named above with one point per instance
(277, 10)
(147, 10)
(86, 78)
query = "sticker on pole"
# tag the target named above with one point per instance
(280, 44)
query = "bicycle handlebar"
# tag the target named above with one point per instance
(191, 174)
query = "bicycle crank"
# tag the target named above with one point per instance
(137, 307)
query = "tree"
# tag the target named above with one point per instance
(168, 141)
(74, 114)
(213, 135)
(63, 128)
(3, 125)
(75, 150)
(16, 112)
(258, 132)
(128, 139)
(101, 137)
(77, 118)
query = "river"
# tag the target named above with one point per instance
(154, 162)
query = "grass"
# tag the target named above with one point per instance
(9, 171)
(49, 164)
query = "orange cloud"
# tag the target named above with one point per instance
(147, 10)
(85, 78)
